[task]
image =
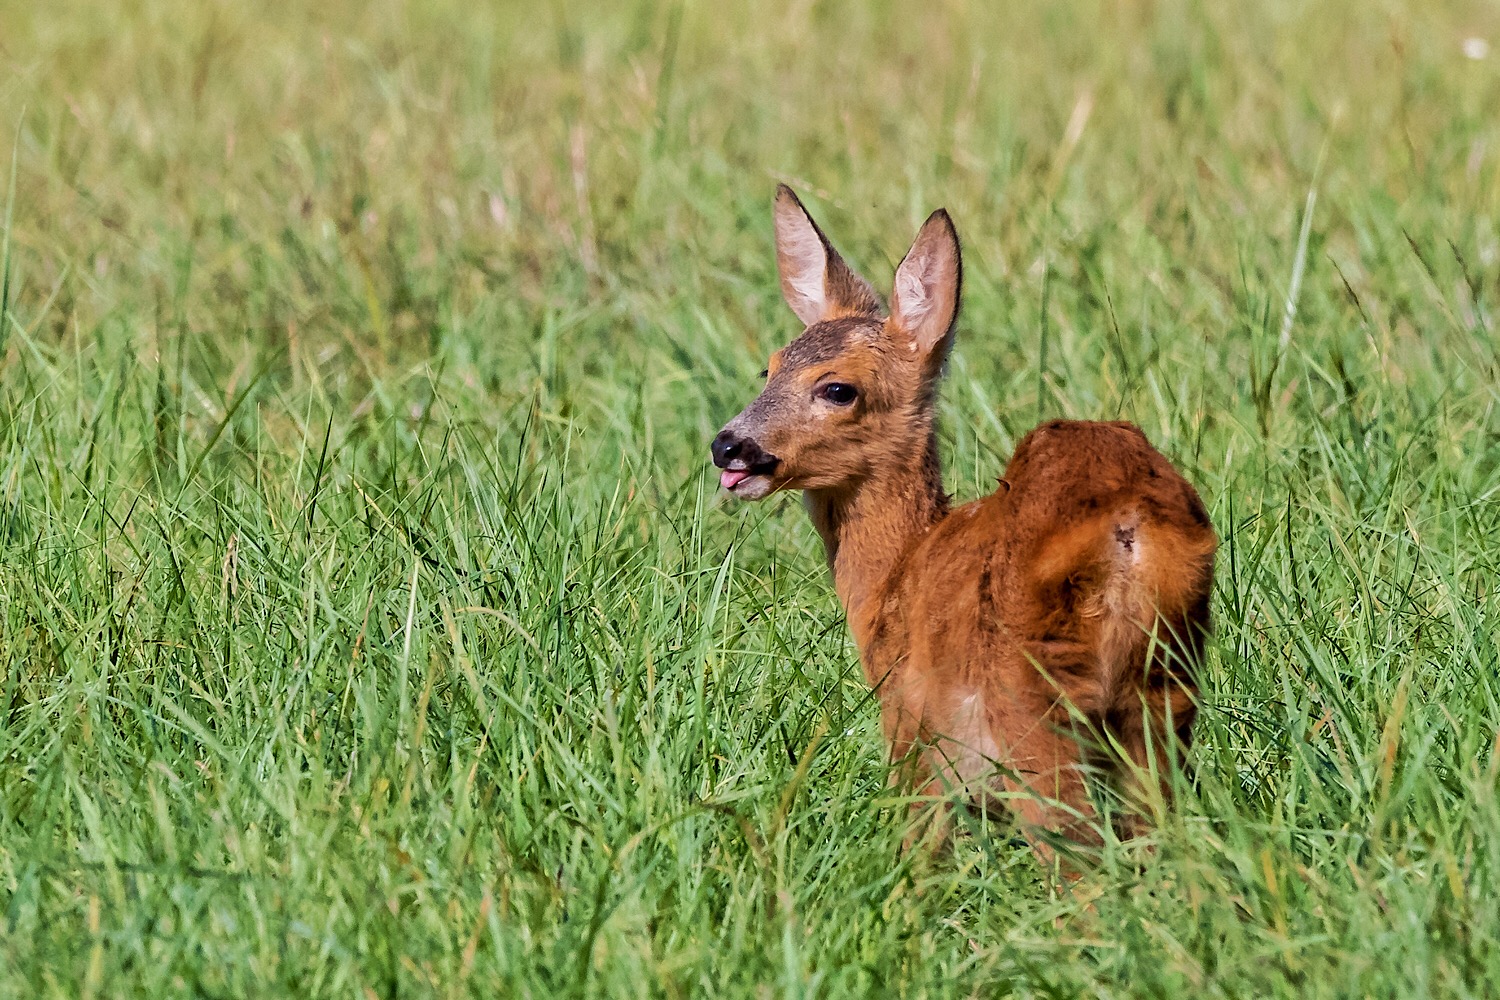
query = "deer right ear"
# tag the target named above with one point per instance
(815, 281)
(924, 303)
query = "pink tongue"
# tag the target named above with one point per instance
(729, 480)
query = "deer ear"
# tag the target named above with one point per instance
(924, 303)
(815, 281)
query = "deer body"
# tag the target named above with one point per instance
(1012, 640)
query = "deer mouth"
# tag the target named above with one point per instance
(741, 479)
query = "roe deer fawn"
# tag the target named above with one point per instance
(1013, 640)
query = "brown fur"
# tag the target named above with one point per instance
(1013, 639)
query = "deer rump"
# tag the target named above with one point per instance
(1062, 616)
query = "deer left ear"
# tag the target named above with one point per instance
(924, 303)
(815, 281)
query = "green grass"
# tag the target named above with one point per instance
(369, 621)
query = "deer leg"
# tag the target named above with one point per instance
(928, 814)
(1153, 737)
(930, 819)
(1047, 793)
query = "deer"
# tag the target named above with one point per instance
(1018, 643)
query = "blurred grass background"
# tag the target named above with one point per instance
(369, 622)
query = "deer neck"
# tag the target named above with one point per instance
(868, 526)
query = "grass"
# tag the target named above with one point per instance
(369, 621)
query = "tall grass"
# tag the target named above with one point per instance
(370, 625)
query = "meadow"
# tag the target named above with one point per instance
(371, 624)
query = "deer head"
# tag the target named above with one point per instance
(852, 397)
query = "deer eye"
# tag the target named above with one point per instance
(839, 393)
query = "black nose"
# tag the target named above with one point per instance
(726, 448)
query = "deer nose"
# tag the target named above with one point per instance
(726, 447)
